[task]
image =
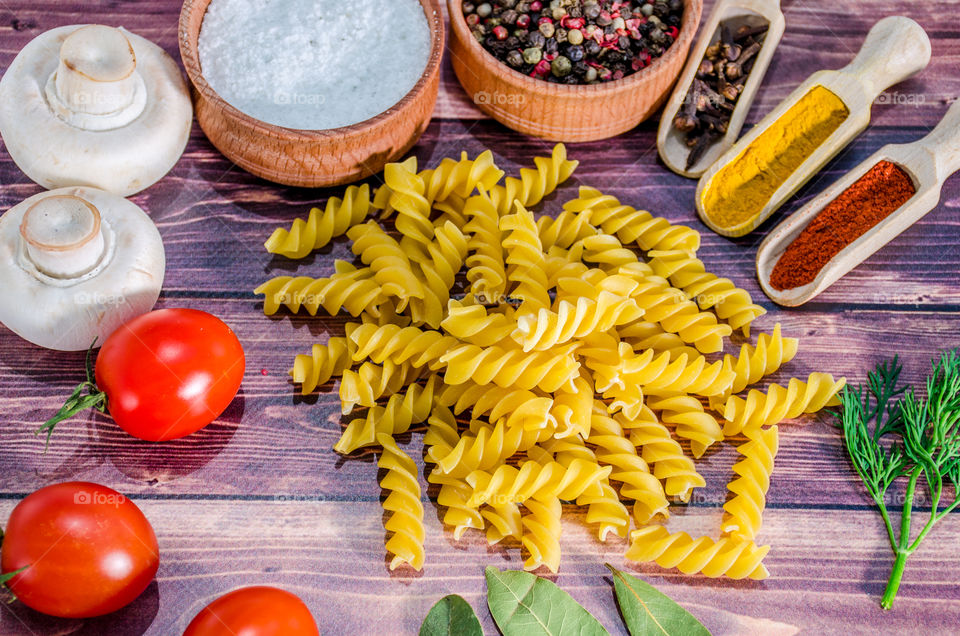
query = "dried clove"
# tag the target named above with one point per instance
(719, 82)
(735, 69)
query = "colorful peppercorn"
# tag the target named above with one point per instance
(575, 41)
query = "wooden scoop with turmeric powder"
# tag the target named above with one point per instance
(856, 216)
(814, 123)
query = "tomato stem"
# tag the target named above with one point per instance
(4, 578)
(77, 402)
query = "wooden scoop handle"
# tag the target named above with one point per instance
(895, 48)
(944, 143)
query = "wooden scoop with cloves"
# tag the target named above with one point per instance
(708, 106)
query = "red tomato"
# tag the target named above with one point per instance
(169, 373)
(88, 550)
(254, 611)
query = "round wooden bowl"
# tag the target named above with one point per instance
(311, 158)
(562, 112)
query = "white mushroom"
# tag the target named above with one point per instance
(94, 105)
(75, 264)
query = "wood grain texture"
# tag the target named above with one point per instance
(259, 497)
(558, 111)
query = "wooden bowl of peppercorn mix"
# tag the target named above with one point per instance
(525, 86)
(312, 157)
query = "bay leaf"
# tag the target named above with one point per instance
(649, 612)
(451, 616)
(524, 604)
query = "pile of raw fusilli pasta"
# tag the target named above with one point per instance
(576, 366)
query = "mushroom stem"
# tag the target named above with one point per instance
(63, 236)
(96, 85)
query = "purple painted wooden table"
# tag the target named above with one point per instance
(259, 497)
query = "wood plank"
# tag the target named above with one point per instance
(822, 581)
(215, 217)
(272, 430)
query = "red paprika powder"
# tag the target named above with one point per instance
(874, 196)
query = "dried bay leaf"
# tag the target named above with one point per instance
(649, 612)
(524, 604)
(451, 616)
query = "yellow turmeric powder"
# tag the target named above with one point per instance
(741, 189)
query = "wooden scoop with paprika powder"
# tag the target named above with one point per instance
(856, 216)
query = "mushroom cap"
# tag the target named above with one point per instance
(122, 160)
(111, 62)
(67, 314)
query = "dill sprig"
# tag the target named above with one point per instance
(891, 432)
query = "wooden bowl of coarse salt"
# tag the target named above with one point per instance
(316, 93)
(561, 112)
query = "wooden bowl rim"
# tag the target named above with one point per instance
(688, 30)
(191, 62)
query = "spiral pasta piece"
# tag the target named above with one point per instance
(744, 512)
(689, 421)
(474, 324)
(503, 522)
(562, 264)
(442, 434)
(605, 250)
(630, 225)
(323, 363)
(593, 284)
(354, 290)
(391, 267)
(671, 309)
(663, 374)
(571, 408)
(731, 304)
(460, 178)
(517, 407)
(411, 205)
(486, 271)
(401, 344)
(547, 370)
(534, 183)
(547, 328)
(381, 198)
(454, 494)
(320, 227)
(599, 351)
(451, 209)
(604, 507)
(564, 230)
(525, 258)
(486, 449)
(400, 413)
(371, 382)
(541, 534)
(771, 353)
(533, 480)
(446, 251)
(642, 335)
(404, 505)
(606, 511)
(727, 557)
(615, 450)
(665, 456)
(761, 409)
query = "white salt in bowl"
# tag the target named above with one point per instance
(311, 158)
